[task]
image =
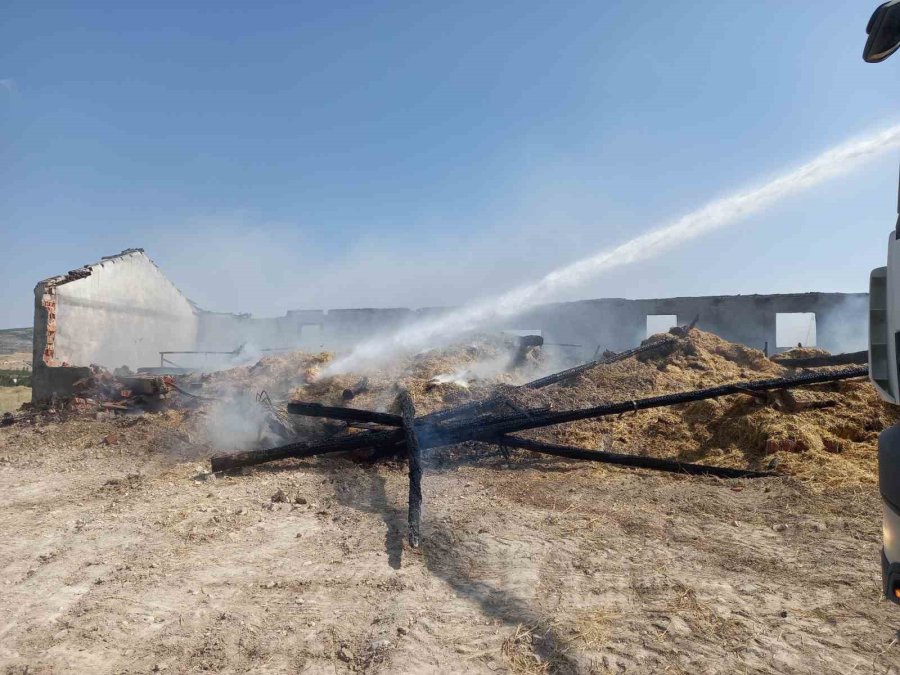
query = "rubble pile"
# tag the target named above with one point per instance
(122, 387)
(435, 378)
(117, 392)
(825, 432)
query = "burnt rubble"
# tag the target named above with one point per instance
(496, 419)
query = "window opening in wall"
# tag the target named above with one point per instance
(660, 323)
(793, 328)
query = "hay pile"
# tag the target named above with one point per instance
(829, 446)
(436, 378)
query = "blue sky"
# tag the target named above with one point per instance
(271, 156)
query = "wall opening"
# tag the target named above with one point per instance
(660, 323)
(793, 328)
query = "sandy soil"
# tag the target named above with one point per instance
(11, 398)
(121, 555)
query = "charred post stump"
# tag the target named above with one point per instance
(408, 413)
(352, 392)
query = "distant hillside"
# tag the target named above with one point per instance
(13, 340)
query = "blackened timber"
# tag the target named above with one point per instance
(352, 392)
(824, 361)
(432, 436)
(564, 375)
(374, 439)
(387, 419)
(346, 414)
(408, 412)
(636, 461)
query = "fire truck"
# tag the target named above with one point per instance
(884, 333)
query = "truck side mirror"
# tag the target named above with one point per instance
(884, 32)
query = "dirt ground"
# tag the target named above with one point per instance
(11, 398)
(120, 554)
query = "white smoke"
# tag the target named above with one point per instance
(713, 216)
(847, 327)
(238, 423)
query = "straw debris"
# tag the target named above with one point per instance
(826, 434)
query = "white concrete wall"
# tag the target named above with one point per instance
(124, 313)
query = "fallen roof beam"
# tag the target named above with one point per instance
(432, 436)
(372, 439)
(570, 373)
(359, 415)
(636, 461)
(823, 361)
(346, 414)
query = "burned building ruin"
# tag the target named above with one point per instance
(123, 311)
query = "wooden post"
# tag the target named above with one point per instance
(408, 413)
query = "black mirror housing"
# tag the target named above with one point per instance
(884, 32)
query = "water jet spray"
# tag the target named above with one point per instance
(713, 216)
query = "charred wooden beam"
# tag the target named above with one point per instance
(408, 412)
(637, 461)
(360, 416)
(375, 439)
(346, 414)
(682, 331)
(570, 373)
(432, 435)
(823, 361)
(352, 392)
